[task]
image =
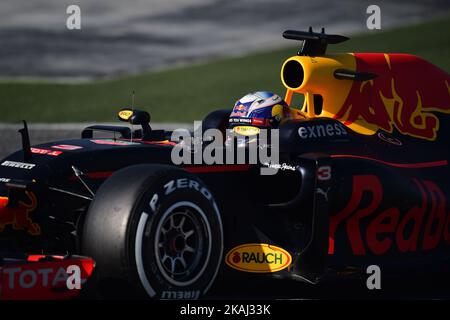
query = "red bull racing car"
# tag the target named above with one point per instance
(362, 178)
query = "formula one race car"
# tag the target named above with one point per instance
(362, 178)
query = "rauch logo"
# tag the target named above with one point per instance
(258, 258)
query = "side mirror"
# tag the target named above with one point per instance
(134, 116)
(138, 117)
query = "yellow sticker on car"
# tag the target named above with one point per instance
(258, 258)
(246, 130)
(125, 114)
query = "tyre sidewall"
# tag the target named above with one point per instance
(175, 189)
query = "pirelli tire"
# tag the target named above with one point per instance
(157, 227)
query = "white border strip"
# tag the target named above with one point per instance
(138, 253)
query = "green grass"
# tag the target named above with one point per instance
(188, 93)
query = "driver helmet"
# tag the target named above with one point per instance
(261, 109)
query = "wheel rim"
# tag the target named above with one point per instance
(182, 243)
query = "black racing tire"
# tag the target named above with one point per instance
(158, 228)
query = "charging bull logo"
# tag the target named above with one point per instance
(372, 228)
(406, 93)
(239, 111)
(19, 217)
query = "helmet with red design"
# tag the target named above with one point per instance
(259, 109)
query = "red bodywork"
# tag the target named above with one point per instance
(404, 95)
(42, 277)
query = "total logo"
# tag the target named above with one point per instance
(258, 258)
(43, 277)
(28, 278)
